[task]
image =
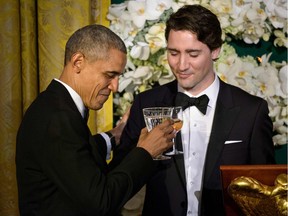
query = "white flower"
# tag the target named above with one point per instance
(121, 22)
(237, 71)
(155, 37)
(154, 8)
(244, 76)
(221, 7)
(167, 75)
(123, 103)
(251, 22)
(266, 78)
(140, 50)
(116, 10)
(280, 139)
(124, 82)
(283, 80)
(163, 61)
(277, 11)
(147, 10)
(281, 39)
(225, 22)
(137, 11)
(266, 81)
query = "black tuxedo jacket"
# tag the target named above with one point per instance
(238, 116)
(61, 170)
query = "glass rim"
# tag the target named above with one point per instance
(158, 107)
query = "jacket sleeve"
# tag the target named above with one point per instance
(262, 148)
(81, 173)
(130, 134)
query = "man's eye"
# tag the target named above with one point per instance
(194, 55)
(173, 53)
(111, 75)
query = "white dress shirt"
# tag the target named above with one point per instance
(81, 107)
(195, 137)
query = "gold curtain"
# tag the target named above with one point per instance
(32, 40)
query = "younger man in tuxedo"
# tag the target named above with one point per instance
(230, 127)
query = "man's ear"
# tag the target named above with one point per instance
(216, 53)
(77, 61)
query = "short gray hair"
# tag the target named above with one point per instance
(94, 42)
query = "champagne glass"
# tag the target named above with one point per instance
(177, 117)
(154, 116)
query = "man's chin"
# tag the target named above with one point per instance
(101, 104)
(97, 105)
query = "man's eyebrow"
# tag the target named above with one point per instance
(113, 72)
(187, 50)
(171, 49)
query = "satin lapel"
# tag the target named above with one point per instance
(165, 102)
(225, 116)
(62, 92)
(179, 161)
(67, 102)
(168, 92)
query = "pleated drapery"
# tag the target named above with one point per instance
(10, 102)
(32, 41)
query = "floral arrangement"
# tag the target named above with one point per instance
(141, 25)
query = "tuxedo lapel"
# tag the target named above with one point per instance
(178, 160)
(225, 116)
(67, 103)
(169, 96)
(65, 98)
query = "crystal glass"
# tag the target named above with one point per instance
(177, 117)
(154, 116)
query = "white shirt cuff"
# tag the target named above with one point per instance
(108, 144)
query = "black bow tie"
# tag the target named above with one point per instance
(186, 101)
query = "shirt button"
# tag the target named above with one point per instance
(195, 125)
(191, 182)
(194, 153)
(189, 212)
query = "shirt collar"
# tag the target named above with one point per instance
(212, 92)
(75, 97)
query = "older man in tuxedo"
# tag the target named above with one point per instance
(61, 170)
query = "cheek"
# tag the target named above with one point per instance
(200, 64)
(100, 89)
(172, 61)
(95, 91)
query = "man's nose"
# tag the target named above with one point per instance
(183, 63)
(114, 84)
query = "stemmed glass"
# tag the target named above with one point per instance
(154, 116)
(177, 117)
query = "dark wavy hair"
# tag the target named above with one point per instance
(198, 20)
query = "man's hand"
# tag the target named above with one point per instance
(117, 131)
(159, 139)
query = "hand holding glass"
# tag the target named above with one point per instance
(154, 116)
